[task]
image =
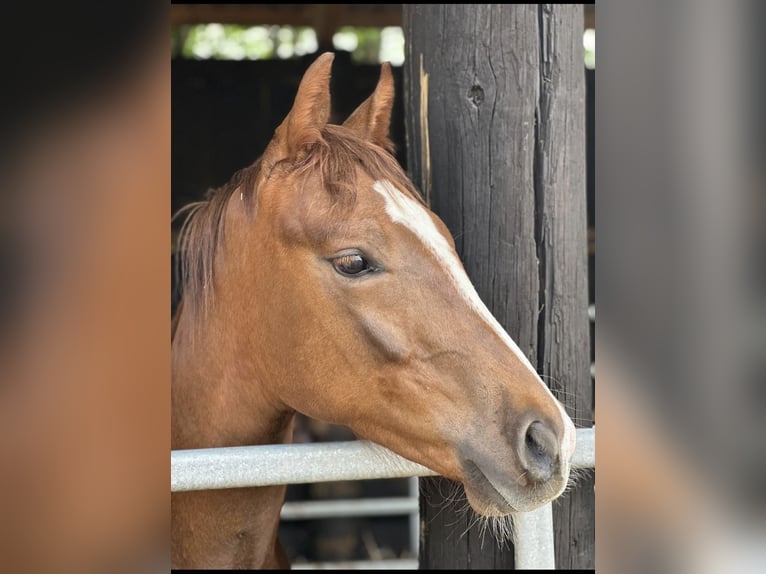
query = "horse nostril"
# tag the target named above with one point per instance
(540, 453)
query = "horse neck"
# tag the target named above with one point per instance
(219, 399)
(219, 393)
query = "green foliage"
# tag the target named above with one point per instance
(234, 42)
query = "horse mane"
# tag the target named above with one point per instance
(336, 156)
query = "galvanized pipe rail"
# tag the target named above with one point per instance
(266, 465)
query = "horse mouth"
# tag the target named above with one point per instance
(482, 494)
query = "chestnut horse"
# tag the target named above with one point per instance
(318, 281)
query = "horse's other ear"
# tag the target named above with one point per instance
(372, 119)
(303, 125)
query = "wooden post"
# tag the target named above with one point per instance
(495, 116)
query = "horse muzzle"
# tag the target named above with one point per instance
(533, 473)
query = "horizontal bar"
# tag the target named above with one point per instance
(345, 508)
(391, 564)
(265, 465)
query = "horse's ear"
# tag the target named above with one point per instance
(303, 125)
(372, 119)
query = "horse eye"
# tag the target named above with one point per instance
(351, 265)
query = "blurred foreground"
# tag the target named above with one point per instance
(84, 291)
(681, 335)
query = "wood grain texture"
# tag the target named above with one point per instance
(506, 130)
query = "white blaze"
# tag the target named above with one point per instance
(406, 211)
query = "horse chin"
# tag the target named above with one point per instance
(487, 499)
(491, 504)
(482, 495)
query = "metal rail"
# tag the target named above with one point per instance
(391, 564)
(319, 509)
(267, 465)
(234, 467)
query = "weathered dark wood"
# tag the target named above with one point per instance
(563, 347)
(500, 154)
